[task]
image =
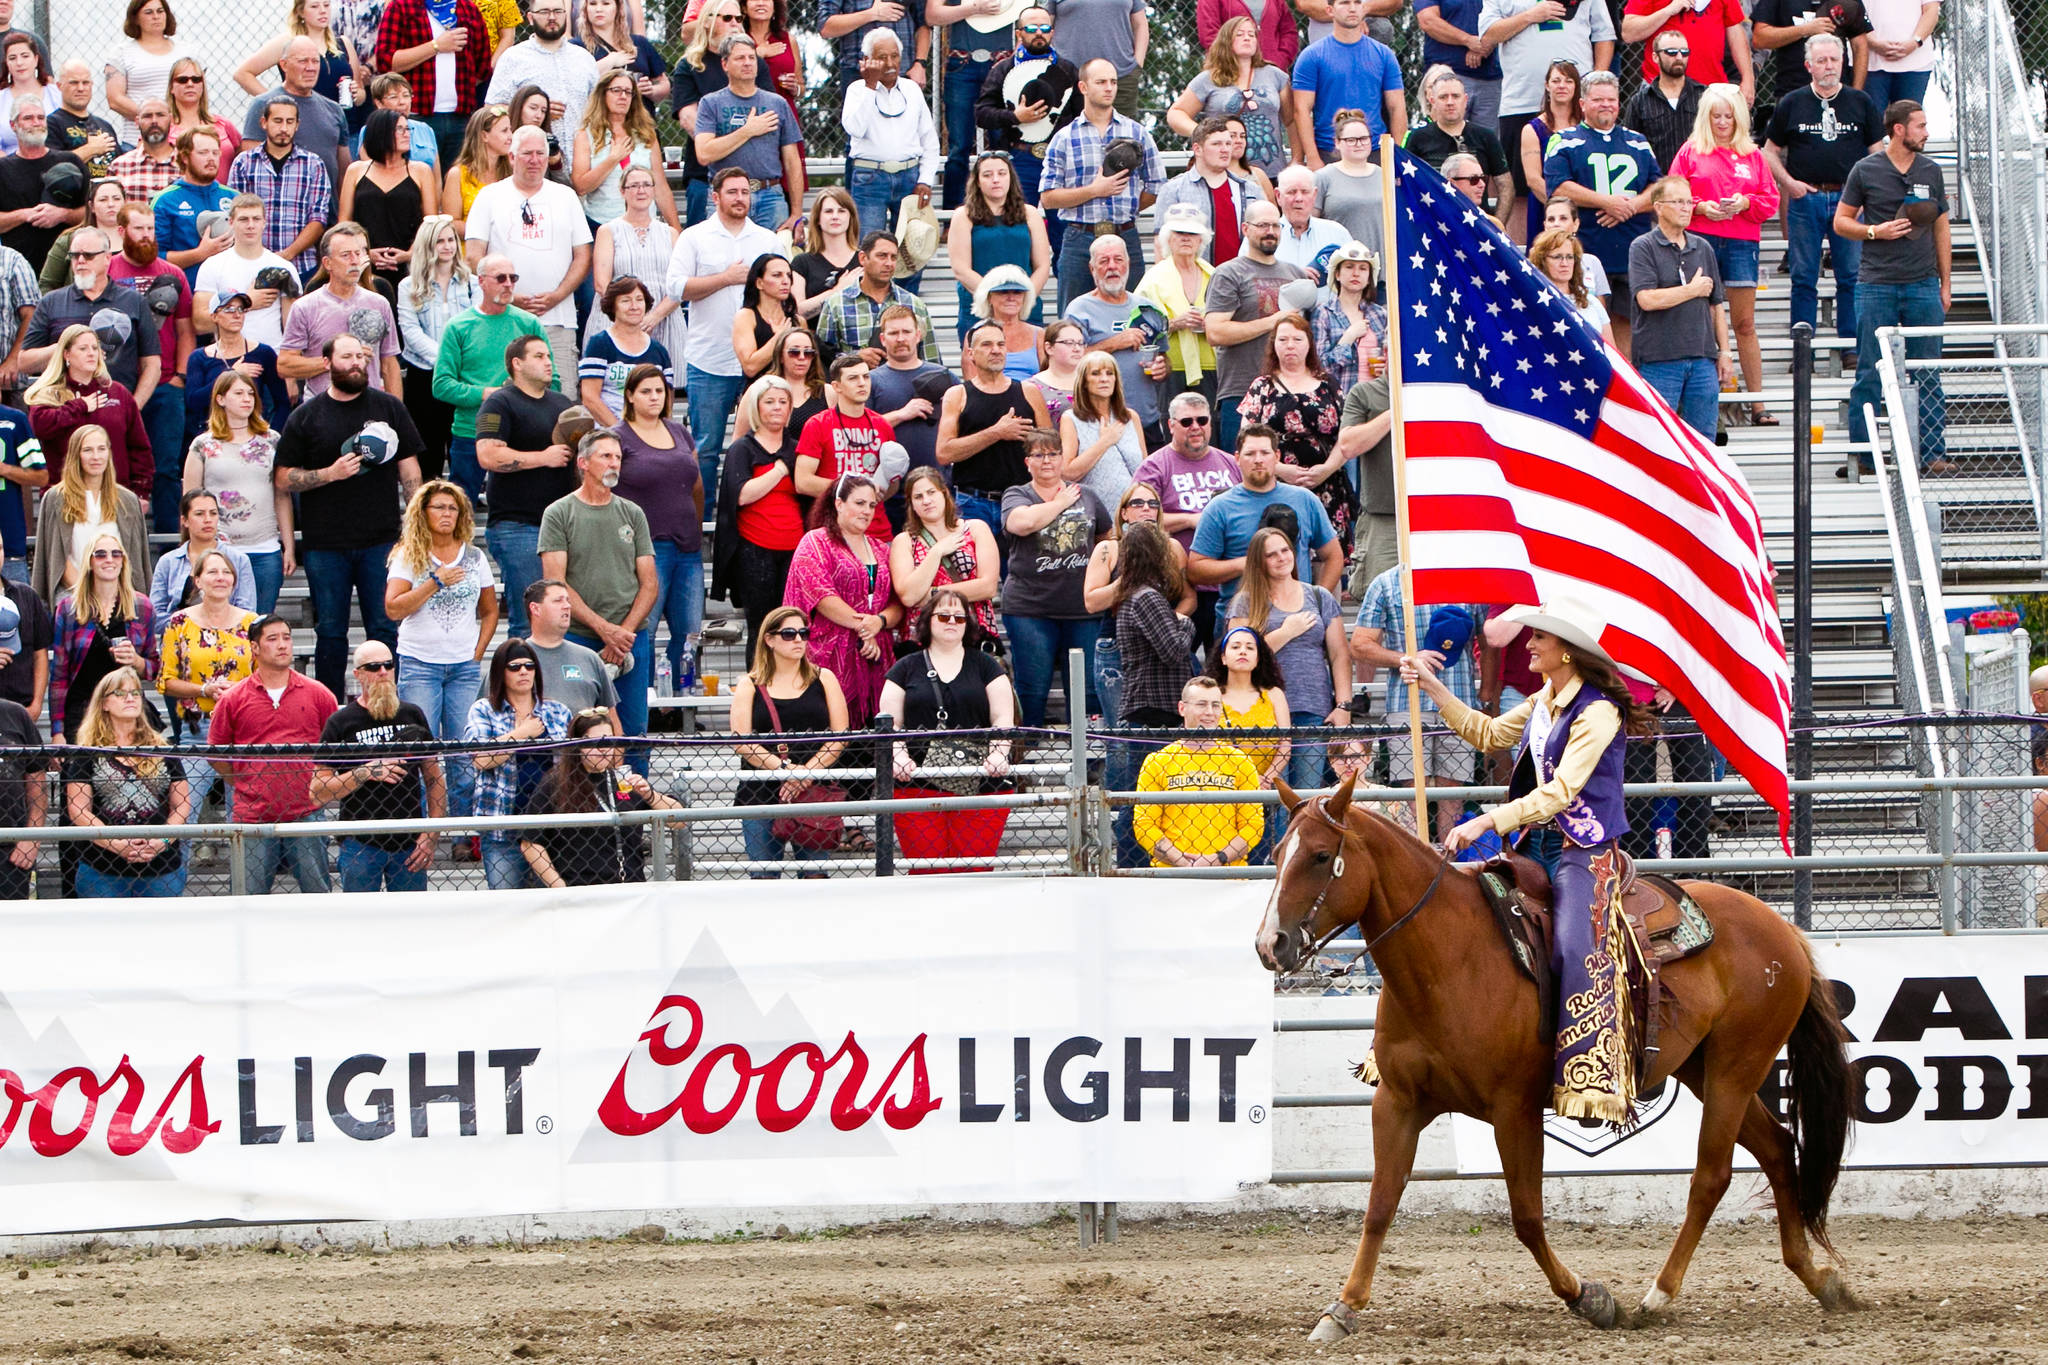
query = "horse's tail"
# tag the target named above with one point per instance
(1822, 1101)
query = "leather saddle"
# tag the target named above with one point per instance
(1667, 924)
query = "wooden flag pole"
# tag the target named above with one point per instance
(1390, 268)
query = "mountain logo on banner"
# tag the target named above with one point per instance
(1594, 1138)
(713, 1077)
(55, 1102)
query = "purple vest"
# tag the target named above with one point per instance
(1595, 815)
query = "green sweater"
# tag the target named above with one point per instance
(472, 358)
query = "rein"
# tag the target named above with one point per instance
(1321, 811)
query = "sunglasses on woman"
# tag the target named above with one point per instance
(1152, 503)
(792, 633)
(950, 618)
(522, 666)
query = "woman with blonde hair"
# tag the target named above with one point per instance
(760, 516)
(441, 592)
(938, 548)
(616, 133)
(1001, 299)
(83, 503)
(1559, 258)
(1100, 435)
(107, 789)
(1734, 195)
(485, 159)
(339, 61)
(783, 692)
(831, 248)
(1238, 80)
(233, 459)
(104, 624)
(75, 390)
(438, 288)
(191, 112)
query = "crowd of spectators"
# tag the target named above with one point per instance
(438, 282)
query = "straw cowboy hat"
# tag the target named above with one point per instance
(917, 234)
(1185, 218)
(1570, 620)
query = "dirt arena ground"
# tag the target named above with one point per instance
(1241, 1288)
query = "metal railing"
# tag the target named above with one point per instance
(1999, 159)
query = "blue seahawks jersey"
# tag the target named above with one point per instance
(1618, 161)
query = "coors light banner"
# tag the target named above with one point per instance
(843, 1042)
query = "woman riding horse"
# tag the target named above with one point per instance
(1566, 792)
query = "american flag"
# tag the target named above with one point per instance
(1540, 465)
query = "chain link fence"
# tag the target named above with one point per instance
(1894, 847)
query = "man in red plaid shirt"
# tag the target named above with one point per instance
(444, 48)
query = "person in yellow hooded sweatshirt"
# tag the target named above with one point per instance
(1199, 835)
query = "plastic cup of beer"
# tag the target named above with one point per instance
(710, 681)
(1818, 429)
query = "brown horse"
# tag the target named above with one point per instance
(1457, 1032)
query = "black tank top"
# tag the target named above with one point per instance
(391, 218)
(806, 713)
(1000, 466)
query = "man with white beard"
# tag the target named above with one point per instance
(118, 315)
(376, 788)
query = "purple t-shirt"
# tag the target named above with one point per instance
(319, 316)
(660, 482)
(1186, 485)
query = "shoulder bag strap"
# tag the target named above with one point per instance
(774, 719)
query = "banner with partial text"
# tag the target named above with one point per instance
(669, 1045)
(1949, 1042)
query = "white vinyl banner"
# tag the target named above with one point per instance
(791, 1043)
(1949, 1041)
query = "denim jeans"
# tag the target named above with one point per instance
(770, 207)
(1038, 654)
(680, 600)
(632, 686)
(1074, 276)
(1885, 87)
(305, 859)
(15, 570)
(963, 84)
(268, 571)
(1106, 673)
(989, 514)
(163, 417)
(696, 202)
(1900, 305)
(444, 692)
(333, 576)
(1124, 761)
(516, 547)
(96, 885)
(1482, 103)
(876, 195)
(505, 866)
(762, 847)
(1030, 170)
(463, 466)
(1692, 388)
(364, 868)
(1307, 764)
(200, 774)
(1227, 423)
(1808, 228)
(713, 397)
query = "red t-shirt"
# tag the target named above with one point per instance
(269, 790)
(776, 521)
(1706, 33)
(845, 445)
(1223, 213)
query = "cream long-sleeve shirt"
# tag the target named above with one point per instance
(891, 123)
(1591, 733)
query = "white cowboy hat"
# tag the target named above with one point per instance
(917, 234)
(1570, 620)
(1185, 218)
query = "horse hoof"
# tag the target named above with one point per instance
(1656, 1306)
(1834, 1294)
(1596, 1305)
(1338, 1321)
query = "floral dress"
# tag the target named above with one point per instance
(201, 654)
(824, 567)
(1307, 423)
(958, 567)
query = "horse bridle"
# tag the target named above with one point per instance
(1319, 807)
